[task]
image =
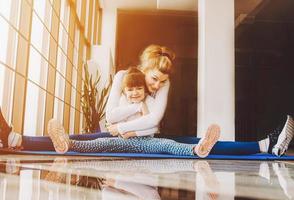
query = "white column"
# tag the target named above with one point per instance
(216, 76)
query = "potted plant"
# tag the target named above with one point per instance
(93, 100)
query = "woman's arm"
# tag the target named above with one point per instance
(152, 119)
(122, 112)
(114, 96)
(140, 133)
(146, 132)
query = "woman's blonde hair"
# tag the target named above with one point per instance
(134, 78)
(157, 57)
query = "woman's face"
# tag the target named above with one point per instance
(155, 79)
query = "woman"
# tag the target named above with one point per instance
(156, 63)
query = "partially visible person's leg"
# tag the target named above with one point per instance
(228, 147)
(8, 138)
(276, 143)
(235, 148)
(162, 145)
(90, 136)
(44, 143)
(35, 143)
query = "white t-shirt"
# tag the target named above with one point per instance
(142, 123)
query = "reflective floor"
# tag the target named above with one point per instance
(59, 178)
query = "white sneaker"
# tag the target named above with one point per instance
(14, 139)
(205, 145)
(284, 138)
(58, 136)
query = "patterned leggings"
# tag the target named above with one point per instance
(133, 145)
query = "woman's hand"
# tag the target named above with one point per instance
(128, 135)
(112, 129)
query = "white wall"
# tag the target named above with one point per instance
(102, 56)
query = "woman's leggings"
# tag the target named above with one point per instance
(44, 143)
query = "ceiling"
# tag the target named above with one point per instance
(241, 6)
(184, 5)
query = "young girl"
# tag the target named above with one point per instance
(134, 92)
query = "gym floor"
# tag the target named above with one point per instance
(60, 177)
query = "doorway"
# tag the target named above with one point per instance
(177, 30)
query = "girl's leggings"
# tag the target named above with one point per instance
(133, 145)
(44, 143)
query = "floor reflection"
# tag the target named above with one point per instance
(88, 178)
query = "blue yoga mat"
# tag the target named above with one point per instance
(142, 155)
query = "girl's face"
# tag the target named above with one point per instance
(135, 94)
(155, 79)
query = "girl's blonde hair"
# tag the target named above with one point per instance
(157, 57)
(134, 78)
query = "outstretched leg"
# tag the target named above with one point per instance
(276, 143)
(11, 139)
(62, 143)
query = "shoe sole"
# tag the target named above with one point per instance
(205, 145)
(58, 136)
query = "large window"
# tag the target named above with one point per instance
(9, 27)
(43, 46)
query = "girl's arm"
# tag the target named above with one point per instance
(145, 111)
(152, 119)
(124, 110)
